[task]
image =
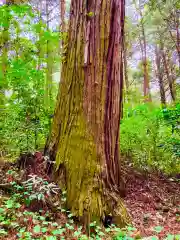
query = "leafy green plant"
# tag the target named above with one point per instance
(38, 188)
(158, 229)
(171, 117)
(146, 139)
(25, 118)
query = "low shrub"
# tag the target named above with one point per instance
(150, 137)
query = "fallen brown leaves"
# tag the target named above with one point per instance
(153, 201)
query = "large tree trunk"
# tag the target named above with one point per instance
(84, 138)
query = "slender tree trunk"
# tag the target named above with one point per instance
(146, 87)
(49, 81)
(84, 139)
(172, 84)
(170, 80)
(167, 18)
(147, 95)
(160, 77)
(176, 40)
(143, 46)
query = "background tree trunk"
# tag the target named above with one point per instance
(159, 71)
(172, 77)
(169, 78)
(143, 46)
(84, 139)
(49, 71)
(146, 86)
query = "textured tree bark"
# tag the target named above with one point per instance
(126, 80)
(84, 139)
(147, 95)
(160, 76)
(170, 80)
(172, 75)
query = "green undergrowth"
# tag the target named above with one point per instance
(17, 219)
(26, 112)
(150, 137)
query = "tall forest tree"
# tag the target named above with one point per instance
(84, 138)
(159, 73)
(49, 80)
(170, 14)
(143, 47)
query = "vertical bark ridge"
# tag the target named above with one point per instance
(114, 91)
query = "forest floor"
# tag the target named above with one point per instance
(153, 203)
